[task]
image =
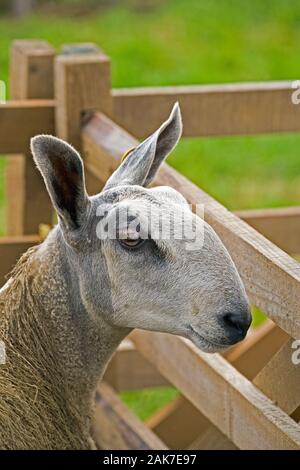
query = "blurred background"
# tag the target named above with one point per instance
(178, 42)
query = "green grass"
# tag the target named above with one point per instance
(145, 402)
(197, 41)
(244, 172)
(194, 42)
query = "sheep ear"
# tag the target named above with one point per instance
(142, 164)
(62, 169)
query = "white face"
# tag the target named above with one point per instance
(164, 284)
(155, 282)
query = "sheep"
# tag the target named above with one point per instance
(71, 300)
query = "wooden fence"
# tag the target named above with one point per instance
(248, 398)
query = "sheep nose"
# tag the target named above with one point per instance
(237, 324)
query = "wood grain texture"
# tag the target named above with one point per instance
(281, 226)
(115, 427)
(254, 353)
(210, 110)
(249, 358)
(104, 143)
(31, 69)
(20, 120)
(271, 277)
(82, 85)
(178, 423)
(280, 379)
(31, 77)
(229, 400)
(129, 370)
(212, 439)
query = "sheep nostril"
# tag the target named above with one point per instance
(237, 323)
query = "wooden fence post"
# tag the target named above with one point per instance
(31, 77)
(82, 85)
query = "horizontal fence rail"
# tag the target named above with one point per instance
(214, 110)
(21, 120)
(210, 110)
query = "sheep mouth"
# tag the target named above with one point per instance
(206, 345)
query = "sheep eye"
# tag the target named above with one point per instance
(131, 243)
